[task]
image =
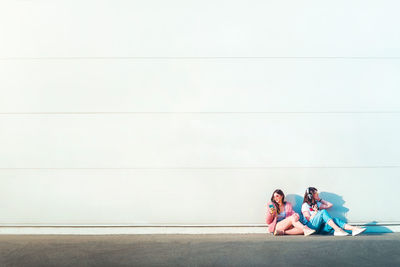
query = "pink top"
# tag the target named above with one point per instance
(271, 218)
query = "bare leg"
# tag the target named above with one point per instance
(349, 227)
(291, 226)
(283, 225)
(333, 225)
(298, 229)
(294, 231)
(299, 225)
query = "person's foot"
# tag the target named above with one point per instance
(279, 232)
(357, 230)
(340, 233)
(308, 231)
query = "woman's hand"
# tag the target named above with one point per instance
(325, 205)
(306, 214)
(315, 207)
(272, 210)
(296, 216)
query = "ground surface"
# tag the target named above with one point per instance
(199, 250)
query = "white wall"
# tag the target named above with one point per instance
(193, 112)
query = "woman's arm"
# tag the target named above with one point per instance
(307, 215)
(271, 213)
(325, 204)
(306, 212)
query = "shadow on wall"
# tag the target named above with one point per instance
(337, 211)
(296, 201)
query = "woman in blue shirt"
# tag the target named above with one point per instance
(316, 217)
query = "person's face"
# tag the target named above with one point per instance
(316, 195)
(277, 198)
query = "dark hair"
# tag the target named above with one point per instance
(279, 192)
(309, 196)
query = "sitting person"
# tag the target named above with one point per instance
(281, 218)
(316, 217)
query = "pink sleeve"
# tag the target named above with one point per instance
(289, 209)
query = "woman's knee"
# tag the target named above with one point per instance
(325, 215)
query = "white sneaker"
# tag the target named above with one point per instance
(340, 233)
(308, 232)
(358, 231)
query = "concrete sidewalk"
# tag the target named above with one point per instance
(199, 250)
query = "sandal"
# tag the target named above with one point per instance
(279, 232)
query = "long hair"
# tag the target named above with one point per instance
(279, 192)
(309, 196)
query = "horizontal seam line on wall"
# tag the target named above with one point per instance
(184, 58)
(201, 112)
(213, 168)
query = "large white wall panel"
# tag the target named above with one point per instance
(199, 140)
(193, 112)
(200, 85)
(219, 28)
(195, 196)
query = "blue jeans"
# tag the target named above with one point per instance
(320, 222)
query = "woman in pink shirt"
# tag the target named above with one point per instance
(281, 218)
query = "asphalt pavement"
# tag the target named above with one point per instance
(199, 250)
